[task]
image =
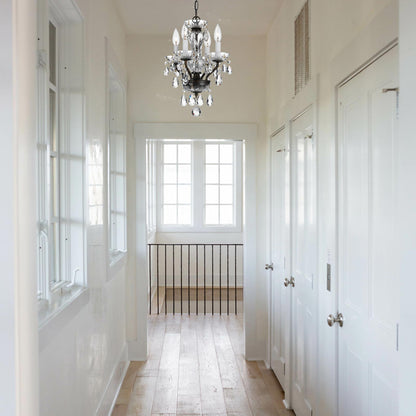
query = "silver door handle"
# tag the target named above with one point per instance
(269, 266)
(338, 319)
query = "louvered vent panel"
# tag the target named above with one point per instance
(302, 49)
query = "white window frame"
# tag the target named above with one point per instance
(198, 189)
(53, 294)
(117, 194)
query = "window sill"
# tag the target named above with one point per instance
(56, 314)
(204, 230)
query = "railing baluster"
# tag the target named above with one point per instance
(228, 279)
(181, 283)
(150, 279)
(205, 282)
(220, 281)
(197, 276)
(157, 277)
(212, 279)
(166, 291)
(189, 279)
(173, 268)
(235, 279)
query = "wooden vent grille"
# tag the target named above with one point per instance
(302, 48)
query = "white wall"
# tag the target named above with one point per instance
(18, 322)
(83, 352)
(406, 241)
(241, 99)
(344, 35)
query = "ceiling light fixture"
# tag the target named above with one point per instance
(195, 63)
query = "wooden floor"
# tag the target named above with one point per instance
(196, 367)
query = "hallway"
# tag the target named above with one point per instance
(196, 367)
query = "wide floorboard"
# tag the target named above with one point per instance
(196, 366)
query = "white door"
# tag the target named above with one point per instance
(280, 250)
(304, 252)
(368, 281)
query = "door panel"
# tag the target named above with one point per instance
(368, 285)
(304, 357)
(280, 237)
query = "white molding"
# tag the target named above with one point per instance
(208, 131)
(108, 399)
(137, 350)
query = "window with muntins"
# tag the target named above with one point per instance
(117, 166)
(60, 151)
(177, 184)
(219, 185)
(199, 186)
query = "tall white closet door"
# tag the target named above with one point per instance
(280, 251)
(304, 250)
(368, 280)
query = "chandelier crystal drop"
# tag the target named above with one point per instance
(193, 66)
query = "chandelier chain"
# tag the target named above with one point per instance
(196, 7)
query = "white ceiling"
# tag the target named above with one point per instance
(160, 17)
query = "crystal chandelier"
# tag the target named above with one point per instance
(195, 63)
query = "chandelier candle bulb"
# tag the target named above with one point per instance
(194, 66)
(175, 40)
(218, 38)
(185, 38)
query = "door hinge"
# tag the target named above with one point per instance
(397, 91)
(284, 369)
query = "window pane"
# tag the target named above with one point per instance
(184, 215)
(96, 175)
(169, 174)
(211, 153)
(226, 151)
(184, 153)
(211, 214)
(226, 194)
(52, 121)
(211, 194)
(169, 194)
(169, 214)
(226, 174)
(211, 174)
(52, 53)
(184, 194)
(169, 153)
(95, 195)
(184, 173)
(226, 215)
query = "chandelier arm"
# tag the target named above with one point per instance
(188, 70)
(216, 67)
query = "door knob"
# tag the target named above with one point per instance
(286, 282)
(269, 267)
(338, 319)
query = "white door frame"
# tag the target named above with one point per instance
(286, 129)
(214, 131)
(339, 177)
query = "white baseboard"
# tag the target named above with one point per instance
(108, 400)
(137, 351)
